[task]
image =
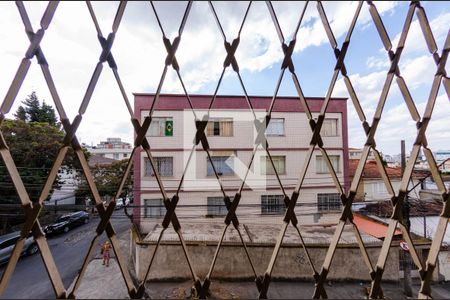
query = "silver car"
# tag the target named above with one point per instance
(8, 241)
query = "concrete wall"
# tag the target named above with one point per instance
(232, 263)
(444, 265)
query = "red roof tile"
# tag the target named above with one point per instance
(372, 227)
(371, 170)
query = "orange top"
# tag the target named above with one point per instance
(106, 247)
(372, 227)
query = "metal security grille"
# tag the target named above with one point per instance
(262, 281)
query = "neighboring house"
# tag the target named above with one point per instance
(372, 186)
(99, 160)
(424, 219)
(113, 148)
(441, 155)
(355, 153)
(231, 134)
(445, 167)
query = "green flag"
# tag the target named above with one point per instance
(169, 128)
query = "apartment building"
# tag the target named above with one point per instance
(231, 136)
(112, 148)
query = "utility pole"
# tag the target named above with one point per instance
(407, 282)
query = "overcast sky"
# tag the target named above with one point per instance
(71, 47)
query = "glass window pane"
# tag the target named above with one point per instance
(222, 164)
(164, 166)
(216, 128)
(329, 127)
(328, 202)
(279, 163)
(216, 206)
(321, 165)
(275, 127)
(154, 208)
(272, 204)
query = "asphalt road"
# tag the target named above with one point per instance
(30, 279)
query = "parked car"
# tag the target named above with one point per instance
(67, 222)
(120, 203)
(8, 241)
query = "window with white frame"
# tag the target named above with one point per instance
(272, 204)
(154, 208)
(321, 164)
(275, 127)
(161, 126)
(328, 202)
(379, 188)
(329, 127)
(220, 127)
(115, 155)
(222, 164)
(163, 164)
(216, 206)
(278, 161)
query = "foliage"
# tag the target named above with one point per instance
(34, 140)
(107, 179)
(34, 147)
(35, 112)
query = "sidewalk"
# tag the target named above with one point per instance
(101, 282)
(107, 283)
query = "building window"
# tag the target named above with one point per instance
(279, 163)
(275, 127)
(379, 188)
(154, 208)
(272, 204)
(222, 164)
(161, 127)
(328, 202)
(329, 127)
(220, 127)
(321, 165)
(115, 155)
(125, 155)
(216, 206)
(163, 164)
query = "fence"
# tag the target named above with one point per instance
(319, 274)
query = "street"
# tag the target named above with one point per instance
(30, 279)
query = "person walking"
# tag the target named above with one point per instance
(105, 251)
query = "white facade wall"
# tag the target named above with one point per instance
(198, 185)
(117, 154)
(375, 189)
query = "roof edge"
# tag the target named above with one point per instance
(237, 96)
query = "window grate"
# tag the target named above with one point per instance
(170, 217)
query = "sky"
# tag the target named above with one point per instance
(72, 50)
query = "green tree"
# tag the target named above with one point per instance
(34, 147)
(107, 179)
(33, 111)
(34, 139)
